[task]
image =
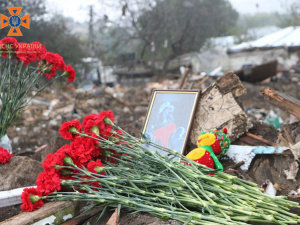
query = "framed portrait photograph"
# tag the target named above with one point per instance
(169, 118)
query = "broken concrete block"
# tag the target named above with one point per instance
(219, 108)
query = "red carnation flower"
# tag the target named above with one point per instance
(9, 40)
(5, 156)
(51, 73)
(62, 153)
(8, 44)
(89, 122)
(95, 184)
(70, 73)
(40, 50)
(68, 130)
(94, 120)
(25, 53)
(95, 167)
(49, 163)
(28, 53)
(56, 61)
(109, 114)
(31, 200)
(48, 183)
(83, 150)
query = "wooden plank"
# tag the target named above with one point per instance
(262, 140)
(51, 212)
(80, 219)
(184, 77)
(199, 83)
(288, 136)
(250, 141)
(283, 101)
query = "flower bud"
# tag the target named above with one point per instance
(73, 130)
(65, 74)
(99, 169)
(108, 121)
(95, 129)
(34, 198)
(68, 160)
(57, 167)
(113, 139)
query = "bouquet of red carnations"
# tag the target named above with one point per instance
(109, 167)
(22, 65)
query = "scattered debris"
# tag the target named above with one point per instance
(273, 119)
(259, 151)
(239, 153)
(291, 173)
(114, 219)
(269, 188)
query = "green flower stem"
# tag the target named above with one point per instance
(146, 181)
(15, 84)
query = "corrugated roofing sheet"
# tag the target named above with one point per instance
(286, 37)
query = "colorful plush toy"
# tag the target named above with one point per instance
(201, 156)
(211, 146)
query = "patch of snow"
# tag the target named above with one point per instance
(240, 153)
(66, 217)
(48, 220)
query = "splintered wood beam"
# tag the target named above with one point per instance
(282, 101)
(267, 142)
(51, 213)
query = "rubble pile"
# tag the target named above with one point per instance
(44, 115)
(249, 116)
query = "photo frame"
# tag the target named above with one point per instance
(169, 118)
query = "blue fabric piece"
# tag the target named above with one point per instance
(267, 150)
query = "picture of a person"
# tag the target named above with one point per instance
(169, 118)
(164, 132)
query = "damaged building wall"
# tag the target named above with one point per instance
(209, 59)
(256, 57)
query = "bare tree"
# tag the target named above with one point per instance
(165, 29)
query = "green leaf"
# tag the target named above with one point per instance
(188, 221)
(102, 213)
(119, 209)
